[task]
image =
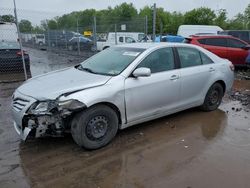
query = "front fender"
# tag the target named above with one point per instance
(111, 92)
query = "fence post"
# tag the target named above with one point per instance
(94, 30)
(32, 38)
(66, 42)
(78, 41)
(115, 35)
(161, 27)
(49, 43)
(146, 28)
(20, 41)
(154, 21)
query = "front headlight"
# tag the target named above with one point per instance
(43, 107)
(71, 105)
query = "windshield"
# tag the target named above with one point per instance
(111, 61)
(9, 45)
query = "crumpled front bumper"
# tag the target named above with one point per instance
(22, 133)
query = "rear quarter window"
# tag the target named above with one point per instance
(202, 41)
(221, 42)
(205, 59)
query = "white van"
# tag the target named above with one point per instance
(134, 35)
(187, 30)
(121, 37)
(8, 32)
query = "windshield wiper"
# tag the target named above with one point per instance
(80, 67)
(85, 69)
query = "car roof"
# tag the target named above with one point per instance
(214, 36)
(148, 45)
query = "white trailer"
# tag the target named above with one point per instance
(187, 30)
(8, 32)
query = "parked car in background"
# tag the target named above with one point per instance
(11, 57)
(225, 46)
(120, 87)
(188, 30)
(241, 34)
(83, 43)
(59, 38)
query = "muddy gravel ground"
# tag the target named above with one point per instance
(190, 149)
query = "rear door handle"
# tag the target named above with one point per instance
(211, 69)
(174, 77)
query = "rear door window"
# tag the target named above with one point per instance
(233, 43)
(222, 42)
(189, 57)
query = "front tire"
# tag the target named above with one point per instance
(94, 127)
(213, 98)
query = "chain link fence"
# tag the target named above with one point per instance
(48, 44)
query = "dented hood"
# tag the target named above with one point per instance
(54, 84)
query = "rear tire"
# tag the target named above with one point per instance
(94, 127)
(213, 98)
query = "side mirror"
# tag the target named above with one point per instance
(247, 47)
(142, 72)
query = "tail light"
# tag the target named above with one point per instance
(19, 53)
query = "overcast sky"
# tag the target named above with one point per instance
(57, 7)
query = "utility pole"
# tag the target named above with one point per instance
(154, 21)
(20, 41)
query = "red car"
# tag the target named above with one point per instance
(228, 47)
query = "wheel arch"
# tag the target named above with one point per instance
(223, 84)
(113, 107)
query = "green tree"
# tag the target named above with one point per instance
(200, 16)
(125, 11)
(247, 17)
(7, 18)
(147, 11)
(237, 23)
(52, 24)
(221, 18)
(25, 26)
(176, 19)
(38, 29)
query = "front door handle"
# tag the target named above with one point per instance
(211, 69)
(174, 77)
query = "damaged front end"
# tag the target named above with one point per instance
(49, 118)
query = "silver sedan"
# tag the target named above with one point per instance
(120, 87)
